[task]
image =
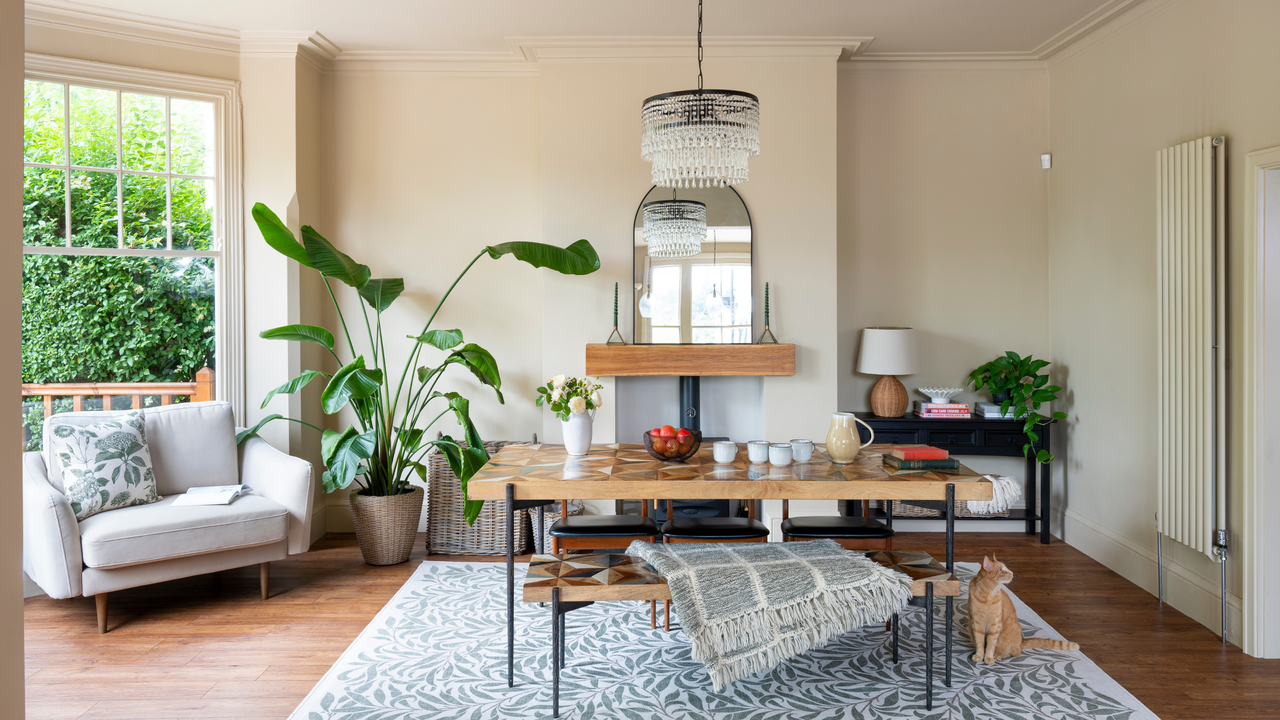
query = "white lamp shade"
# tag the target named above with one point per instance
(887, 351)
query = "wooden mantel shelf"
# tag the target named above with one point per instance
(690, 360)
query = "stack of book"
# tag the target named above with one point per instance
(992, 410)
(919, 457)
(955, 411)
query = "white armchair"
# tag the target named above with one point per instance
(191, 444)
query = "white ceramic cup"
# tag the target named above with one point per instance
(801, 450)
(780, 454)
(724, 451)
(758, 451)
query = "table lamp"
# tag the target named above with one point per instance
(888, 352)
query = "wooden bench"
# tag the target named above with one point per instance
(571, 582)
(929, 580)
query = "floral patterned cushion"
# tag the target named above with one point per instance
(104, 466)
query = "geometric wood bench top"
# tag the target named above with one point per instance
(921, 568)
(590, 578)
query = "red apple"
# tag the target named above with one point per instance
(667, 431)
(682, 433)
(655, 433)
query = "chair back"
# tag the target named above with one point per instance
(191, 444)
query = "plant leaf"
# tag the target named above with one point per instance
(294, 385)
(577, 259)
(352, 381)
(464, 461)
(278, 235)
(382, 292)
(442, 339)
(342, 453)
(250, 432)
(481, 364)
(300, 333)
(331, 261)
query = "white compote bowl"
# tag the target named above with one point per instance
(940, 394)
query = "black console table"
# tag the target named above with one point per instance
(975, 436)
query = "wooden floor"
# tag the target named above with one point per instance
(209, 647)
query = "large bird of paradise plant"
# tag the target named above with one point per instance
(389, 440)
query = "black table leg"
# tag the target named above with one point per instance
(950, 613)
(928, 646)
(511, 585)
(1045, 478)
(564, 641)
(1030, 492)
(555, 651)
(895, 638)
(951, 527)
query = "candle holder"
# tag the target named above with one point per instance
(766, 337)
(615, 333)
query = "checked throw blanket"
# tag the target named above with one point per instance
(748, 606)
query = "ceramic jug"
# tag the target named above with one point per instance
(843, 443)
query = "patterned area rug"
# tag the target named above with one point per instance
(437, 651)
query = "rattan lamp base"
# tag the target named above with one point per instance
(889, 397)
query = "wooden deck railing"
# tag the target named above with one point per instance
(199, 389)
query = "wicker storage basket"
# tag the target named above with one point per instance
(933, 509)
(447, 530)
(386, 526)
(551, 513)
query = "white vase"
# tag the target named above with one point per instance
(577, 433)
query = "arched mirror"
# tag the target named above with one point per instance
(692, 286)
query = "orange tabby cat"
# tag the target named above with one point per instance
(993, 622)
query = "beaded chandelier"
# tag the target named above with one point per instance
(700, 138)
(674, 228)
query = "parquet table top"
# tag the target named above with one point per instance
(921, 568)
(611, 576)
(623, 470)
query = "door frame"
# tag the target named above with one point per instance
(1262, 172)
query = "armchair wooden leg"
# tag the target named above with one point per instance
(653, 614)
(264, 577)
(101, 601)
(666, 616)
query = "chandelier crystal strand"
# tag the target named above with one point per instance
(700, 138)
(674, 228)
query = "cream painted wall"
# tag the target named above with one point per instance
(1174, 72)
(420, 173)
(942, 224)
(593, 178)
(12, 700)
(65, 42)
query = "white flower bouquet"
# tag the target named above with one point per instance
(567, 395)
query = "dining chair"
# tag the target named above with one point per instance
(852, 533)
(605, 532)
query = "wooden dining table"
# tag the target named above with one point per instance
(529, 476)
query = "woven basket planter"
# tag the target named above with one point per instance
(933, 509)
(447, 529)
(386, 525)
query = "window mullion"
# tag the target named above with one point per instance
(66, 158)
(168, 167)
(119, 171)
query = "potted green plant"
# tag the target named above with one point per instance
(389, 439)
(1021, 387)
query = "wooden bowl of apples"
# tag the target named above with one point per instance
(671, 445)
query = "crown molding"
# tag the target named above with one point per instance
(1083, 27)
(375, 62)
(1142, 10)
(310, 46)
(108, 22)
(580, 49)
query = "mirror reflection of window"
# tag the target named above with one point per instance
(665, 323)
(702, 296)
(721, 311)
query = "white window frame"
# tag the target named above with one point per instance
(228, 221)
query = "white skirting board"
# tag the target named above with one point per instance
(1185, 590)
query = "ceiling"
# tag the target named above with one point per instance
(481, 26)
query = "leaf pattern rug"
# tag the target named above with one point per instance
(437, 651)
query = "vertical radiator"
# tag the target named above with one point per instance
(1191, 412)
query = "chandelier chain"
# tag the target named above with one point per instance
(699, 45)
